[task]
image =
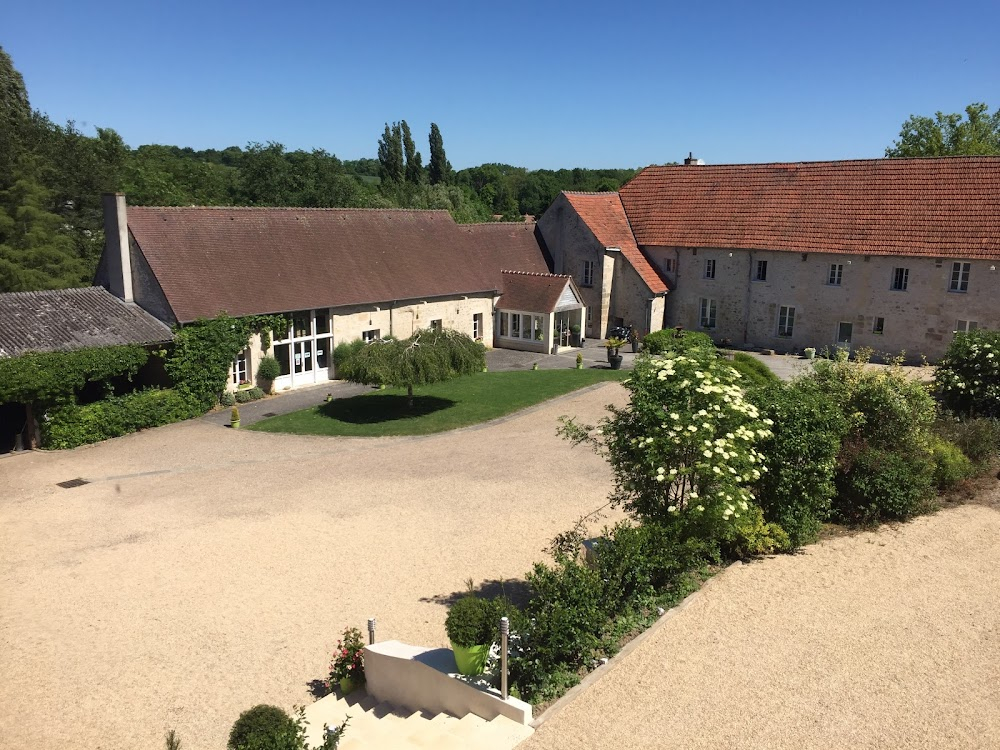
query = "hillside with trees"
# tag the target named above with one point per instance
(52, 177)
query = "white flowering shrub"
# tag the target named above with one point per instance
(684, 451)
(968, 377)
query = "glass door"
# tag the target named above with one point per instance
(845, 331)
(303, 357)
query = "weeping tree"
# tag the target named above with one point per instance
(428, 356)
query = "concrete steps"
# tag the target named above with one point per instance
(380, 726)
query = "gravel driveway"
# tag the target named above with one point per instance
(205, 570)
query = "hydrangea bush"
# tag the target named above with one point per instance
(968, 377)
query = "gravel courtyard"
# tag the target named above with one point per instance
(205, 570)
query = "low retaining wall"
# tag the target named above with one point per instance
(421, 679)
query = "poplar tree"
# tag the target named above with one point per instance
(439, 169)
(414, 165)
(390, 154)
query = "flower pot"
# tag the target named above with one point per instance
(616, 361)
(579, 366)
(809, 352)
(470, 660)
(235, 424)
(635, 347)
(347, 686)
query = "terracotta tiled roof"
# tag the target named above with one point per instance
(248, 261)
(532, 292)
(604, 214)
(66, 319)
(500, 245)
(942, 207)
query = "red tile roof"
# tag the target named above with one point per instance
(262, 260)
(532, 292)
(941, 207)
(500, 245)
(604, 214)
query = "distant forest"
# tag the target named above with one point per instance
(52, 177)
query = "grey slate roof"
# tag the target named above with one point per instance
(66, 319)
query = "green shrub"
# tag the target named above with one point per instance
(248, 395)
(268, 369)
(978, 438)
(473, 621)
(801, 455)
(344, 352)
(883, 485)
(264, 727)
(968, 376)
(670, 340)
(951, 466)
(71, 425)
(227, 398)
(753, 372)
(750, 535)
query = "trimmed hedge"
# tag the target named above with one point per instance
(250, 394)
(72, 425)
(669, 340)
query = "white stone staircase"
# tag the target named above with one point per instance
(378, 726)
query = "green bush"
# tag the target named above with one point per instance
(750, 535)
(264, 727)
(227, 398)
(73, 425)
(268, 369)
(951, 466)
(801, 455)
(753, 372)
(968, 376)
(248, 395)
(670, 340)
(977, 438)
(883, 485)
(473, 621)
(344, 352)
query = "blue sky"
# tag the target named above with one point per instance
(536, 84)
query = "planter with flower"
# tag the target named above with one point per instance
(347, 666)
(614, 358)
(472, 625)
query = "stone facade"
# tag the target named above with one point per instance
(918, 320)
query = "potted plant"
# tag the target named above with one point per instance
(579, 360)
(267, 372)
(234, 418)
(633, 338)
(347, 666)
(472, 624)
(614, 358)
(810, 352)
(575, 330)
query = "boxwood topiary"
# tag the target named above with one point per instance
(670, 340)
(473, 621)
(264, 727)
(268, 369)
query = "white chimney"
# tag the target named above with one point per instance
(116, 248)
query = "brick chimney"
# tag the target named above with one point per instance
(690, 161)
(116, 247)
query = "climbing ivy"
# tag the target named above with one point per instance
(54, 377)
(204, 351)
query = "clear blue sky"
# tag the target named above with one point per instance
(536, 84)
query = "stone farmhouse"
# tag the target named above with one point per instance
(893, 254)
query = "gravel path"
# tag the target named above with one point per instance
(204, 570)
(888, 639)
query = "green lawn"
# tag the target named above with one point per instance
(442, 406)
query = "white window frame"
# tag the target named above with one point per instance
(836, 275)
(589, 266)
(522, 326)
(477, 326)
(710, 268)
(372, 334)
(238, 372)
(786, 321)
(900, 279)
(960, 273)
(707, 313)
(964, 326)
(761, 272)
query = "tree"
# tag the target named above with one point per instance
(438, 168)
(428, 356)
(390, 154)
(414, 165)
(949, 135)
(15, 113)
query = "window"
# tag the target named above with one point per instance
(590, 317)
(960, 277)
(436, 325)
(526, 327)
(238, 372)
(668, 265)
(301, 325)
(370, 335)
(477, 326)
(878, 326)
(504, 321)
(709, 269)
(786, 321)
(282, 354)
(588, 273)
(706, 313)
(761, 271)
(322, 321)
(836, 274)
(900, 277)
(964, 326)
(515, 326)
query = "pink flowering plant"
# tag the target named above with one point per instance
(348, 659)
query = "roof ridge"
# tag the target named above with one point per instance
(499, 224)
(56, 291)
(869, 160)
(299, 208)
(596, 192)
(537, 273)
